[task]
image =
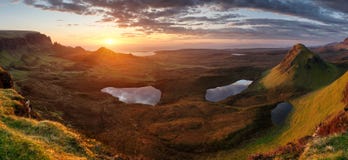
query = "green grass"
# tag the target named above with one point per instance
(276, 78)
(9, 101)
(7, 59)
(315, 107)
(47, 131)
(307, 71)
(13, 146)
(317, 76)
(23, 138)
(308, 112)
(334, 147)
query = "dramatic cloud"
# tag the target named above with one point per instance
(215, 18)
(338, 5)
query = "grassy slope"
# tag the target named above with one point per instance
(305, 72)
(334, 147)
(315, 107)
(23, 138)
(308, 112)
(275, 78)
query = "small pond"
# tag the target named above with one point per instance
(237, 54)
(143, 95)
(280, 113)
(221, 93)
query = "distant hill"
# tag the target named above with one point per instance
(300, 68)
(18, 39)
(334, 47)
(15, 33)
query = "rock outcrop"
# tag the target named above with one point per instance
(5, 79)
(27, 39)
(345, 41)
(299, 55)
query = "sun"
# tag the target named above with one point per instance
(109, 41)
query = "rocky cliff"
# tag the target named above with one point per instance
(11, 42)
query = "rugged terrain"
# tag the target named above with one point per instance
(63, 84)
(25, 136)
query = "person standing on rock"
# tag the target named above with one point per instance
(28, 107)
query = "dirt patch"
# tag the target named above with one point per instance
(345, 97)
(338, 124)
(292, 150)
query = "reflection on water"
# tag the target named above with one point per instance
(220, 93)
(142, 95)
(143, 53)
(280, 113)
(237, 54)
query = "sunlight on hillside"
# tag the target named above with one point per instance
(25, 139)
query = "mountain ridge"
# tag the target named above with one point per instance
(17, 39)
(300, 68)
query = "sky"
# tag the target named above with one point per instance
(148, 25)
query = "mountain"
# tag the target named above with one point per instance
(64, 85)
(300, 68)
(334, 47)
(17, 39)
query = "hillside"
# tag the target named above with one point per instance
(300, 68)
(326, 101)
(17, 39)
(334, 47)
(316, 123)
(64, 85)
(319, 105)
(25, 138)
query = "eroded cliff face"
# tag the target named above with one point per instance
(26, 40)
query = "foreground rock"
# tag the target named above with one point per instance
(5, 79)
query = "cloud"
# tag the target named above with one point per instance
(304, 8)
(76, 6)
(337, 5)
(72, 25)
(15, 1)
(279, 28)
(214, 18)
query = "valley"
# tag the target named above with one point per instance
(64, 84)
